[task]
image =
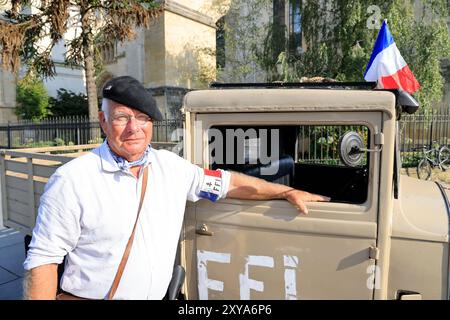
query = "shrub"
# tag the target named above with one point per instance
(59, 142)
(95, 140)
(68, 103)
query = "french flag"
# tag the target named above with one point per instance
(387, 65)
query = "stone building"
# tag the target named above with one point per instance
(174, 55)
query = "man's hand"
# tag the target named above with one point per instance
(298, 199)
(250, 188)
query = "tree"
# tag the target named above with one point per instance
(338, 37)
(32, 36)
(68, 103)
(32, 99)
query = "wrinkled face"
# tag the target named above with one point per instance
(128, 135)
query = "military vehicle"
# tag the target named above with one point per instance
(382, 236)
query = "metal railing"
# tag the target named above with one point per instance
(417, 131)
(320, 144)
(76, 130)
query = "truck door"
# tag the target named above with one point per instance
(240, 249)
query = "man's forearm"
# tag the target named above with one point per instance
(246, 187)
(251, 188)
(41, 283)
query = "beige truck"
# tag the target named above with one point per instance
(382, 235)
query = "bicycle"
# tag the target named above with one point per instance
(435, 157)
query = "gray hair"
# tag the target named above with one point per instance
(106, 107)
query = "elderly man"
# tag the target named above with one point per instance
(116, 213)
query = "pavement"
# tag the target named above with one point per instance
(12, 255)
(436, 175)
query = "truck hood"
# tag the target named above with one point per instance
(422, 211)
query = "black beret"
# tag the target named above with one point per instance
(128, 91)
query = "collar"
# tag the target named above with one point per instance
(109, 164)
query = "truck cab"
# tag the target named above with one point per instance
(381, 236)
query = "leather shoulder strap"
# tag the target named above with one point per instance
(124, 260)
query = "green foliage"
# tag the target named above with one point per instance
(59, 142)
(324, 143)
(30, 143)
(96, 140)
(410, 159)
(68, 103)
(273, 50)
(423, 42)
(243, 33)
(340, 36)
(32, 99)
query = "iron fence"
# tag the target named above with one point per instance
(416, 131)
(69, 131)
(320, 144)
(168, 130)
(419, 131)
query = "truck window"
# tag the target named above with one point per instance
(305, 157)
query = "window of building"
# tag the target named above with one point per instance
(295, 27)
(108, 52)
(288, 14)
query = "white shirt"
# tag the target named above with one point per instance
(88, 211)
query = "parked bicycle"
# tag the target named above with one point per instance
(435, 157)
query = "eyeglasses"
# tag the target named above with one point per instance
(121, 119)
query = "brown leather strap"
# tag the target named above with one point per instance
(68, 296)
(124, 260)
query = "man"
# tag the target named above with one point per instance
(90, 205)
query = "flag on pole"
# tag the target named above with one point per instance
(387, 66)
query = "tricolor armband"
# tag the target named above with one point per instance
(212, 185)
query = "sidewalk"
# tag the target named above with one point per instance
(12, 255)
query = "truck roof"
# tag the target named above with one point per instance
(285, 100)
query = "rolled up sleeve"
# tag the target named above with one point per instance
(57, 228)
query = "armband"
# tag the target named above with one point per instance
(212, 185)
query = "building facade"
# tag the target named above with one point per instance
(174, 55)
